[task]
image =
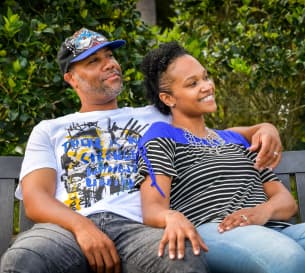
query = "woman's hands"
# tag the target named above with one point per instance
(244, 217)
(177, 229)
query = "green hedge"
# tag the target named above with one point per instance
(31, 85)
(254, 50)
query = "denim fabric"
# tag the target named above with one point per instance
(49, 248)
(44, 248)
(255, 249)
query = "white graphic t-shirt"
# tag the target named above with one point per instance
(94, 155)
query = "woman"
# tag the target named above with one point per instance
(192, 176)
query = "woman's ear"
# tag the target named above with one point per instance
(167, 99)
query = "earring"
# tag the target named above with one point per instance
(172, 105)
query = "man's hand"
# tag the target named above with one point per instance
(99, 250)
(178, 229)
(38, 190)
(266, 141)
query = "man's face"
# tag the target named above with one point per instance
(99, 76)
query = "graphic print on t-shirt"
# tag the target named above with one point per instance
(98, 162)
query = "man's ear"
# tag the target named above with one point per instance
(167, 99)
(68, 77)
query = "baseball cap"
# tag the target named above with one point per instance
(81, 45)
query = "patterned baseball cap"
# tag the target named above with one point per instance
(81, 45)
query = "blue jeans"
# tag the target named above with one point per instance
(255, 249)
(50, 248)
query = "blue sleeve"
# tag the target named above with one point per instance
(233, 137)
(164, 130)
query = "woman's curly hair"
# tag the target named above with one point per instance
(154, 65)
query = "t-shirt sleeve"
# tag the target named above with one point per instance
(39, 153)
(156, 157)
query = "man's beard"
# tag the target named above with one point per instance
(99, 87)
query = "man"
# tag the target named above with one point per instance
(78, 173)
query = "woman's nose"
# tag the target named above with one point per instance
(207, 85)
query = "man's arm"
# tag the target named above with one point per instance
(38, 188)
(265, 139)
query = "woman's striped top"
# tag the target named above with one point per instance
(206, 184)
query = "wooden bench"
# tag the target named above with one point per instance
(291, 171)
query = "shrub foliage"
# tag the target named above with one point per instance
(31, 84)
(254, 50)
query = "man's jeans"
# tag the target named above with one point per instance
(50, 248)
(255, 249)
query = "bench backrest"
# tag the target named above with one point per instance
(291, 171)
(9, 172)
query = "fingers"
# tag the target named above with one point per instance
(169, 239)
(102, 256)
(94, 262)
(234, 220)
(111, 260)
(268, 159)
(198, 244)
(255, 143)
(268, 155)
(269, 151)
(104, 262)
(277, 158)
(176, 243)
(180, 245)
(116, 260)
(162, 245)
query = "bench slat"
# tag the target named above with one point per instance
(7, 188)
(24, 222)
(300, 181)
(285, 178)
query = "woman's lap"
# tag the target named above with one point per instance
(254, 249)
(297, 233)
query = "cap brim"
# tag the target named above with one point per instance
(113, 45)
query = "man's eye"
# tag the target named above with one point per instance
(93, 60)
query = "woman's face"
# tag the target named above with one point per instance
(192, 92)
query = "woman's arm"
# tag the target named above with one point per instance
(157, 213)
(155, 207)
(264, 139)
(279, 206)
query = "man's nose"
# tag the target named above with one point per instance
(110, 64)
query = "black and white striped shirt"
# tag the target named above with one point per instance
(206, 185)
